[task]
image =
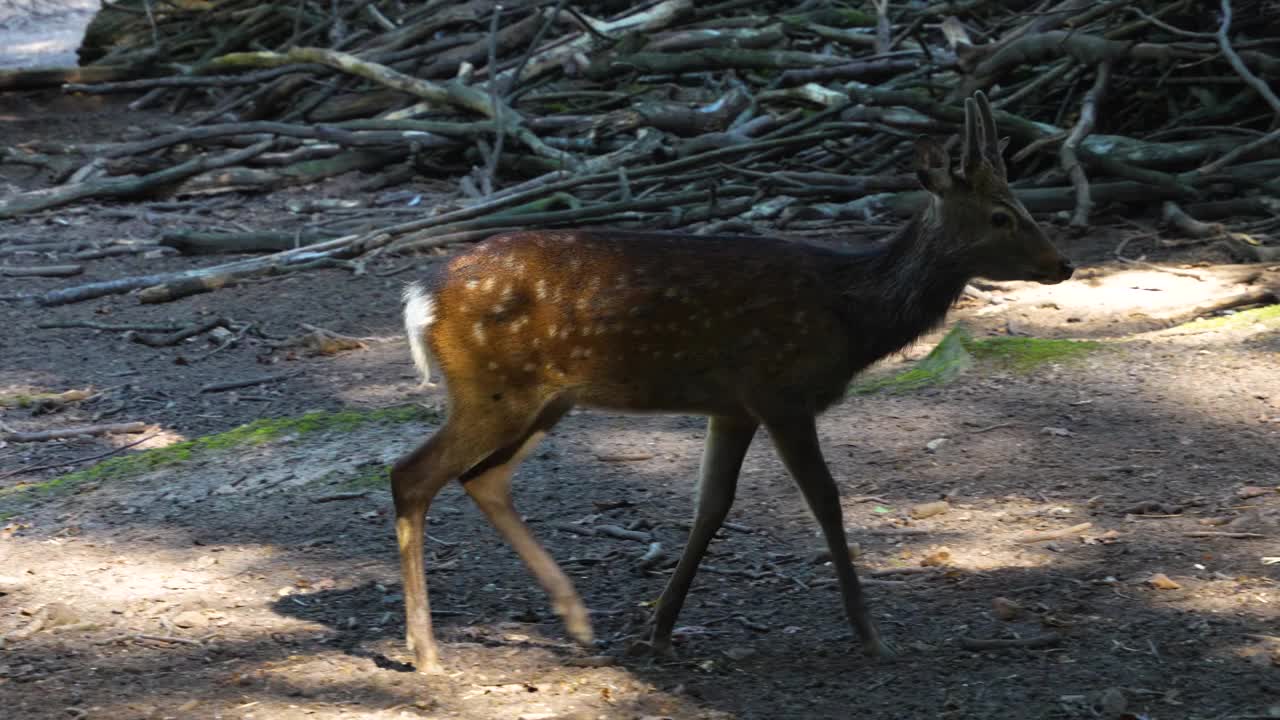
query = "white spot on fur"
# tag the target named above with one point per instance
(471, 284)
(540, 289)
(477, 331)
(552, 330)
(487, 285)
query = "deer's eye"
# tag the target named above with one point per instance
(1000, 219)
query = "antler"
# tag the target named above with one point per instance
(971, 149)
(991, 142)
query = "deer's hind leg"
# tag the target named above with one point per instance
(489, 485)
(472, 434)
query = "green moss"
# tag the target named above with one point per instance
(1268, 316)
(958, 351)
(258, 432)
(1023, 354)
(940, 366)
(369, 477)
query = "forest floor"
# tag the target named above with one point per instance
(253, 574)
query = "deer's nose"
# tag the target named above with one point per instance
(1065, 269)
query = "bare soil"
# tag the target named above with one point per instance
(249, 583)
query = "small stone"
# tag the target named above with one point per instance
(1113, 702)
(60, 614)
(190, 619)
(929, 509)
(1253, 491)
(1005, 609)
(739, 653)
(1160, 581)
(936, 444)
(225, 489)
(936, 558)
(1056, 431)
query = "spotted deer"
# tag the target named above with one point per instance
(746, 331)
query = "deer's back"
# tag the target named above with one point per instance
(643, 322)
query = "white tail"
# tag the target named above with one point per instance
(419, 314)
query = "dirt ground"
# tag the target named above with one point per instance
(253, 582)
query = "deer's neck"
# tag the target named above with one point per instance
(906, 288)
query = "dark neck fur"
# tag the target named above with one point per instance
(904, 288)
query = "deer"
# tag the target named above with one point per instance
(746, 331)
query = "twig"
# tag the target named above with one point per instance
(1239, 152)
(41, 270)
(178, 336)
(495, 98)
(1069, 157)
(651, 557)
(108, 327)
(989, 428)
(247, 382)
(1053, 534)
(1035, 641)
(623, 534)
(1232, 535)
(333, 497)
(77, 461)
(1258, 84)
(130, 428)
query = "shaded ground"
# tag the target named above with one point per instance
(259, 580)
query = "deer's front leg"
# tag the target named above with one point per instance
(796, 437)
(727, 441)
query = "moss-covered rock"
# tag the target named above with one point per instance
(959, 351)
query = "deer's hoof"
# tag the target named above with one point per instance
(656, 648)
(880, 648)
(577, 623)
(428, 665)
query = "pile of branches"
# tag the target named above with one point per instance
(740, 115)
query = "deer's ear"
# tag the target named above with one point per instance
(933, 165)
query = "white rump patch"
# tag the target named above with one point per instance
(419, 315)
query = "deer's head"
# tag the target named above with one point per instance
(988, 231)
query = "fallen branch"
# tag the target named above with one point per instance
(1035, 641)
(1041, 536)
(1232, 535)
(77, 461)
(127, 186)
(247, 382)
(1068, 151)
(178, 336)
(621, 533)
(41, 270)
(81, 431)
